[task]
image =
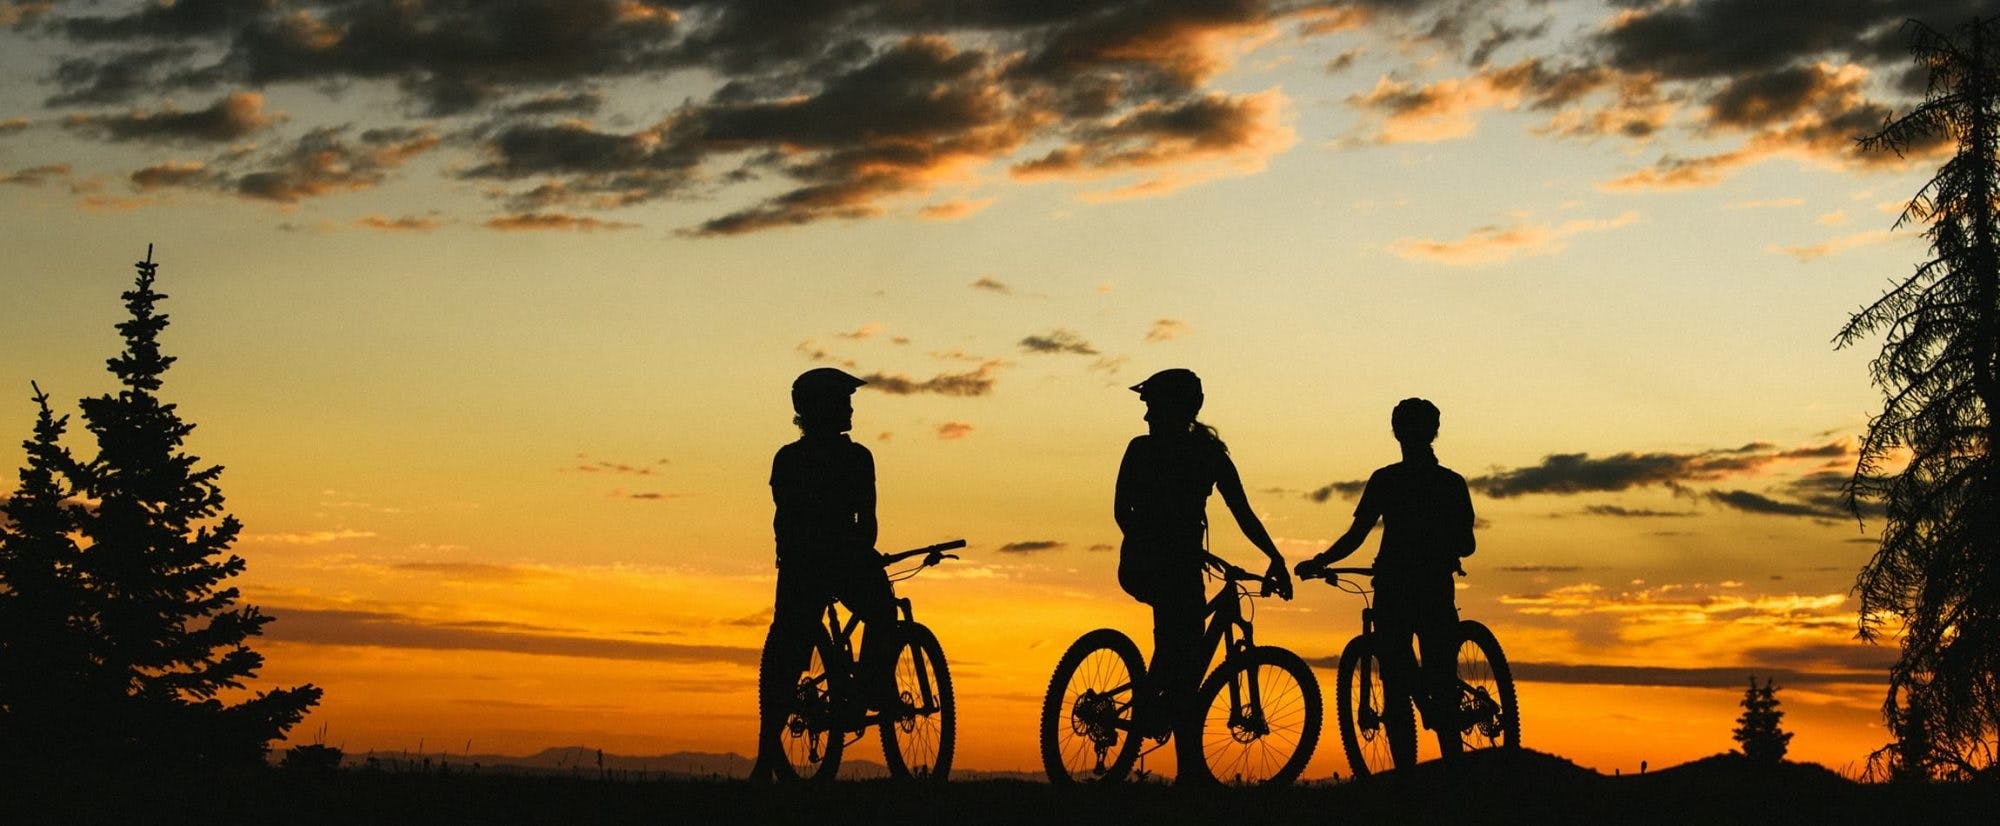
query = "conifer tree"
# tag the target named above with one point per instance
(1757, 730)
(167, 634)
(1928, 456)
(42, 627)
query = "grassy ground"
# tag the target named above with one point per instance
(1523, 787)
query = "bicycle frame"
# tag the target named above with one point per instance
(1226, 630)
(842, 633)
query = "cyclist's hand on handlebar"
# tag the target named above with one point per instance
(1277, 581)
(1311, 568)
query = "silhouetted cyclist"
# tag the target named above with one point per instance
(1162, 500)
(823, 486)
(1426, 515)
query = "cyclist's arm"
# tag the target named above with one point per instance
(1230, 485)
(865, 528)
(1121, 502)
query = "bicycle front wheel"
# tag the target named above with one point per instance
(1486, 714)
(1261, 717)
(1087, 714)
(1378, 735)
(917, 735)
(811, 701)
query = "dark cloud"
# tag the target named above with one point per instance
(1058, 341)
(1734, 677)
(1345, 490)
(974, 383)
(327, 161)
(1572, 473)
(1632, 513)
(851, 109)
(553, 222)
(389, 630)
(1748, 37)
(990, 285)
(1751, 502)
(185, 174)
(230, 118)
(36, 175)
(1032, 546)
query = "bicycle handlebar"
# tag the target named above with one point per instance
(932, 553)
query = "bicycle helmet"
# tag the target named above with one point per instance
(1172, 384)
(821, 383)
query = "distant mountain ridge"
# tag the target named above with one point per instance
(585, 761)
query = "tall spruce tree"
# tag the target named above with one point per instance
(1928, 456)
(43, 657)
(167, 634)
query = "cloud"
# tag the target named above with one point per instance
(1633, 513)
(232, 117)
(1345, 490)
(1058, 341)
(1749, 502)
(327, 161)
(974, 383)
(406, 223)
(473, 571)
(36, 175)
(1032, 546)
(953, 431)
(9, 126)
(587, 465)
(1494, 245)
(988, 284)
(1574, 473)
(309, 538)
(550, 221)
(390, 630)
(953, 210)
(1835, 246)
(1732, 677)
(1167, 329)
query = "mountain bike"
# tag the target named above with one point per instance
(1377, 726)
(1261, 710)
(825, 715)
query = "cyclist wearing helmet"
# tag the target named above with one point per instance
(1426, 515)
(823, 486)
(1161, 506)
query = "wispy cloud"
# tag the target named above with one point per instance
(1498, 244)
(1031, 546)
(1167, 329)
(1835, 246)
(549, 221)
(307, 538)
(1058, 341)
(973, 383)
(390, 630)
(953, 431)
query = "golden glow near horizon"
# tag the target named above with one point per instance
(497, 389)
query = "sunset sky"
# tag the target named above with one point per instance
(490, 309)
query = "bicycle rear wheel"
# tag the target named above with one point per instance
(812, 700)
(1087, 714)
(917, 738)
(1377, 735)
(1261, 717)
(1486, 713)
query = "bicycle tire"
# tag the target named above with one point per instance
(1489, 716)
(814, 700)
(918, 743)
(1265, 737)
(1374, 739)
(1087, 712)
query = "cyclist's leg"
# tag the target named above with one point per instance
(1395, 630)
(787, 646)
(1437, 640)
(866, 592)
(1175, 673)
